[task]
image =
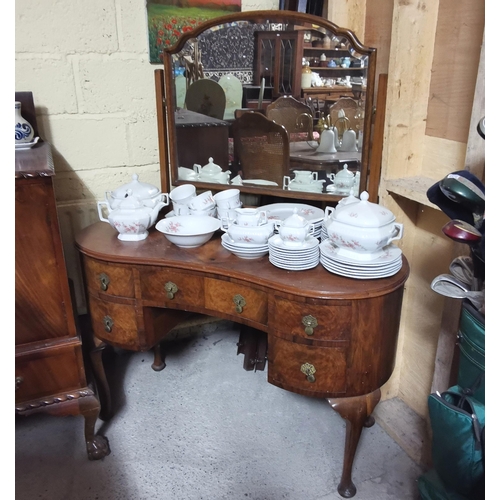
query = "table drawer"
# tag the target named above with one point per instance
(236, 300)
(47, 372)
(114, 323)
(290, 364)
(171, 287)
(111, 279)
(311, 321)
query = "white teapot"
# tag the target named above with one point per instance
(131, 218)
(212, 173)
(362, 229)
(148, 194)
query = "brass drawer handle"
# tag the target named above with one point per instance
(171, 289)
(239, 302)
(308, 370)
(310, 323)
(108, 323)
(19, 381)
(104, 281)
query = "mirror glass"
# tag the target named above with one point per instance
(249, 62)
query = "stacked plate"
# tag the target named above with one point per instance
(294, 258)
(281, 211)
(387, 264)
(244, 250)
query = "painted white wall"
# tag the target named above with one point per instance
(87, 64)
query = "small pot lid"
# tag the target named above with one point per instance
(211, 168)
(295, 220)
(141, 190)
(363, 213)
(345, 173)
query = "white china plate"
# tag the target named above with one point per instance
(260, 182)
(280, 211)
(289, 268)
(305, 188)
(248, 256)
(359, 267)
(277, 243)
(365, 276)
(330, 251)
(27, 145)
(294, 262)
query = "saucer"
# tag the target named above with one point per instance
(26, 145)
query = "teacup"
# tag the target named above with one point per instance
(229, 198)
(305, 176)
(250, 217)
(183, 194)
(210, 211)
(203, 201)
(226, 215)
(180, 208)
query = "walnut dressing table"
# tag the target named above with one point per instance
(327, 336)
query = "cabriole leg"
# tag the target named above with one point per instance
(356, 411)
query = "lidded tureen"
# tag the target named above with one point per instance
(362, 229)
(148, 194)
(212, 172)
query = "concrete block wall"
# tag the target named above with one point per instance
(87, 64)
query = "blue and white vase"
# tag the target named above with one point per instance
(24, 131)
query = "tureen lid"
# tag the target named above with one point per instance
(363, 213)
(211, 167)
(131, 203)
(295, 220)
(141, 190)
(345, 173)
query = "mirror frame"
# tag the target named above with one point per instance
(166, 102)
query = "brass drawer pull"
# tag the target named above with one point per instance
(108, 323)
(310, 323)
(239, 302)
(19, 381)
(171, 289)
(104, 281)
(308, 370)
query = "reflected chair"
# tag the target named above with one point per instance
(352, 112)
(233, 89)
(261, 147)
(206, 97)
(294, 115)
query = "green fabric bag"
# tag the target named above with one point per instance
(431, 487)
(457, 422)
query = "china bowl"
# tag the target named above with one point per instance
(187, 231)
(250, 234)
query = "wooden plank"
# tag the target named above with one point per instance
(412, 48)
(378, 27)
(348, 14)
(442, 156)
(459, 34)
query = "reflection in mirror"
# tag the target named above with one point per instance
(299, 73)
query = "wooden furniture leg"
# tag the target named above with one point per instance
(356, 411)
(159, 361)
(101, 379)
(97, 446)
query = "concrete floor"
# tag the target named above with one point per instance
(204, 428)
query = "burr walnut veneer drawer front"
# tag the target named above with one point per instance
(235, 299)
(171, 287)
(112, 279)
(315, 322)
(305, 368)
(49, 371)
(114, 323)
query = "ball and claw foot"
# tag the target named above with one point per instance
(98, 448)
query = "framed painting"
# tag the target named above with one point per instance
(168, 19)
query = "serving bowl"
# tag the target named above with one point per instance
(187, 231)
